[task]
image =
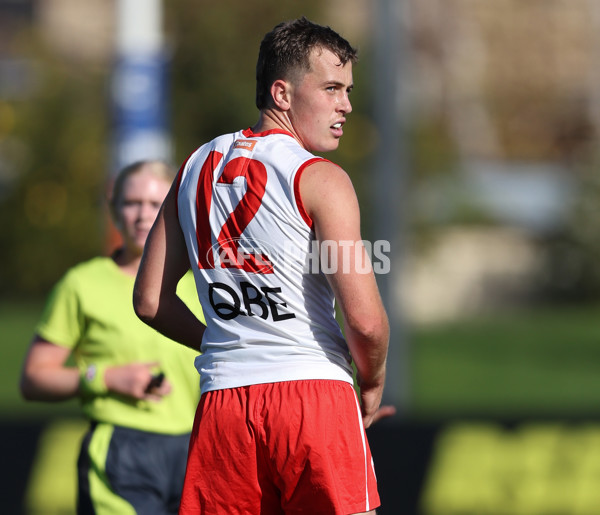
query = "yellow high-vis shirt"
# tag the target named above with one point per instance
(90, 311)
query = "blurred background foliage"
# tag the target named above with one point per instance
(55, 137)
(571, 267)
(55, 132)
(55, 147)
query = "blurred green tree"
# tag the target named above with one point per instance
(51, 212)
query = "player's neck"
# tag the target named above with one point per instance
(270, 119)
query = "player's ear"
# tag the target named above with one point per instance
(280, 92)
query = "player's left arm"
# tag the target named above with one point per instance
(164, 262)
(330, 200)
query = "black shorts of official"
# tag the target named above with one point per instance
(127, 471)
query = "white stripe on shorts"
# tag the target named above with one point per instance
(364, 444)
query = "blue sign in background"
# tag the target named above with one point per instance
(140, 109)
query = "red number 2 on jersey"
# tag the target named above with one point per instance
(228, 241)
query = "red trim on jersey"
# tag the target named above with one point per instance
(299, 203)
(248, 133)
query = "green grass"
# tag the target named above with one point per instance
(530, 363)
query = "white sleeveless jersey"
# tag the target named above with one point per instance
(269, 309)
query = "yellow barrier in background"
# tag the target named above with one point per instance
(528, 469)
(476, 468)
(52, 487)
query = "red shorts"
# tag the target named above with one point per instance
(290, 447)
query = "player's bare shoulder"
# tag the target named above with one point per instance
(325, 185)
